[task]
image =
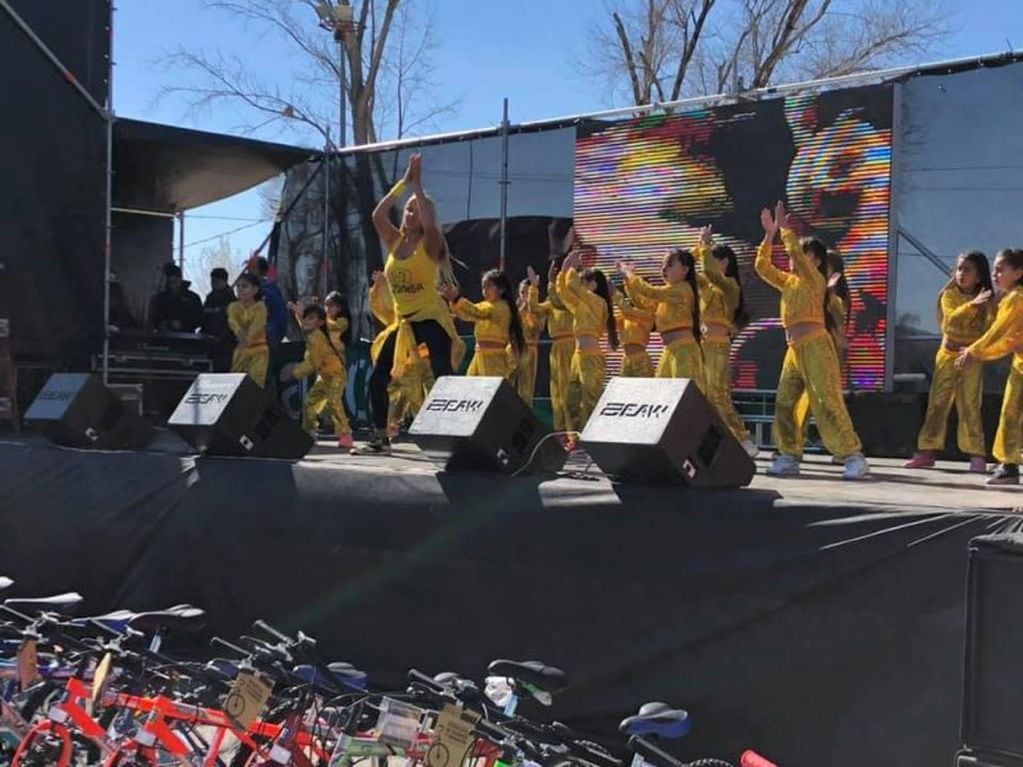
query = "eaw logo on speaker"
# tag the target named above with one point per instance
(633, 410)
(440, 405)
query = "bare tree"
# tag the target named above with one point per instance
(386, 50)
(662, 50)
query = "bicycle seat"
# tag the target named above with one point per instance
(63, 604)
(658, 719)
(347, 673)
(5, 582)
(179, 619)
(532, 673)
(224, 667)
(115, 621)
(465, 689)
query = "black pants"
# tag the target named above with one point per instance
(437, 340)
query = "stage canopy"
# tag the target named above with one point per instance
(166, 169)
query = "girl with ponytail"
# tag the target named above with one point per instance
(677, 316)
(497, 323)
(811, 362)
(588, 297)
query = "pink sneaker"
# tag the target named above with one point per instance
(345, 442)
(920, 460)
(978, 464)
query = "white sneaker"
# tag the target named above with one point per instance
(856, 467)
(751, 449)
(784, 466)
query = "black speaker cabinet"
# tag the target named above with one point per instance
(664, 431)
(970, 759)
(77, 410)
(992, 720)
(228, 414)
(481, 424)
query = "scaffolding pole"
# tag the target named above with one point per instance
(505, 125)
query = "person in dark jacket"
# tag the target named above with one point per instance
(175, 309)
(276, 309)
(214, 321)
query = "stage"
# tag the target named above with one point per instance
(816, 620)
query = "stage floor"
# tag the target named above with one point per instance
(948, 487)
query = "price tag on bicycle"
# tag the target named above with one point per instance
(398, 723)
(248, 697)
(453, 737)
(28, 664)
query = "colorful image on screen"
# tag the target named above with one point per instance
(646, 185)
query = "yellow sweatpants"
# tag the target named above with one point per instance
(717, 373)
(585, 387)
(252, 361)
(963, 387)
(1009, 438)
(489, 362)
(637, 365)
(682, 359)
(525, 374)
(562, 350)
(803, 406)
(811, 365)
(327, 394)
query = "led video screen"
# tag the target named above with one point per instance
(646, 185)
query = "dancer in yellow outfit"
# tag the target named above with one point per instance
(247, 319)
(635, 324)
(677, 316)
(417, 262)
(405, 395)
(722, 310)
(559, 329)
(588, 298)
(1004, 337)
(327, 361)
(811, 361)
(964, 316)
(839, 302)
(533, 323)
(497, 324)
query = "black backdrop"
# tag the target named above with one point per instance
(52, 189)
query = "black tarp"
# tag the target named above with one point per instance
(53, 187)
(818, 635)
(162, 168)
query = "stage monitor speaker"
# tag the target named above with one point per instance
(992, 674)
(664, 431)
(970, 759)
(228, 414)
(481, 424)
(77, 410)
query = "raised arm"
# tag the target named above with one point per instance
(712, 274)
(639, 288)
(386, 231)
(433, 238)
(764, 265)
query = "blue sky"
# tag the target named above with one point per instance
(525, 50)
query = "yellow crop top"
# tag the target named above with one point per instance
(719, 295)
(559, 318)
(1005, 335)
(674, 302)
(336, 328)
(635, 321)
(250, 320)
(413, 283)
(802, 291)
(492, 319)
(532, 321)
(961, 321)
(320, 358)
(589, 311)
